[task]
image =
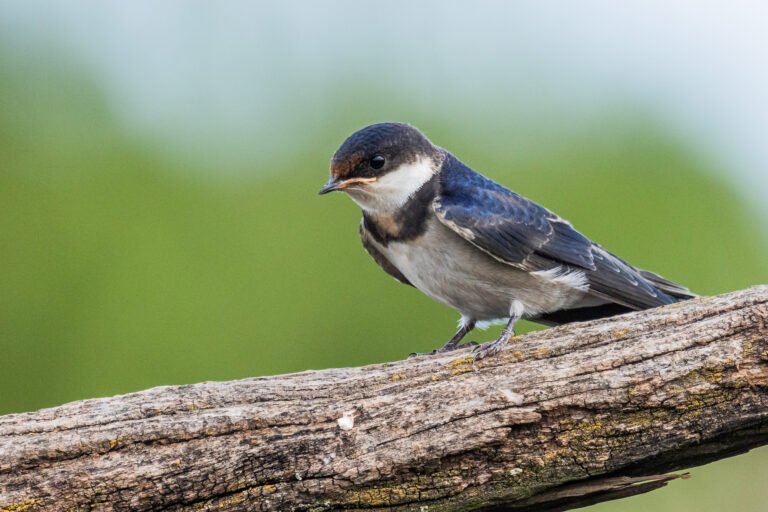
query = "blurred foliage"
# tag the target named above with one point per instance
(123, 268)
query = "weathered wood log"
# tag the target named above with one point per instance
(561, 418)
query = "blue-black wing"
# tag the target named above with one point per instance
(521, 233)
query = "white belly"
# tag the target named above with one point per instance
(452, 271)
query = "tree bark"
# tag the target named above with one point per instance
(561, 418)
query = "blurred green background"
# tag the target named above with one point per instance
(141, 246)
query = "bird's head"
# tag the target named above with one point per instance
(382, 165)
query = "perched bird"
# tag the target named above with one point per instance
(433, 223)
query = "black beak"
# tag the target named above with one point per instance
(333, 184)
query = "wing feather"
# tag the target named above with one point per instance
(521, 233)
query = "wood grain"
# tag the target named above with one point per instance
(561, 418)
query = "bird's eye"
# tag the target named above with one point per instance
(377, 162)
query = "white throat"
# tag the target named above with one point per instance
(392, 190)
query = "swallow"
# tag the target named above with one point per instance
(433, 223)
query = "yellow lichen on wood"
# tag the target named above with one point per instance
(712, 377)
(749, 347)
(116, 441)
(549, 456)
(613, 431)
(238, 498)
(382, 496)
(461, 361)
(461, 365)
(545, 424)
(26, 505)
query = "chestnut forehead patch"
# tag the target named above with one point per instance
(398, 143)
(343, 165)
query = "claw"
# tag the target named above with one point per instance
(489, 349)
(493, 347)
(419, 354)
(443, 350)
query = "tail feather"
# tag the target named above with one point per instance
(583, 314)
(566, 316)
(667, 286)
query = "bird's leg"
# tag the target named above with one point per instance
(453, 343)
(466, 326)
(493, 347)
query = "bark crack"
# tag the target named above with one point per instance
(561, 418)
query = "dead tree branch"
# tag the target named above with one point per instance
(562, 418)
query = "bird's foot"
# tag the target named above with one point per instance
(489, 349)
(494, 347)
(444, 349)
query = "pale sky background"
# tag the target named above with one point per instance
(229, 78)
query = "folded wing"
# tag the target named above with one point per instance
(521, 233)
